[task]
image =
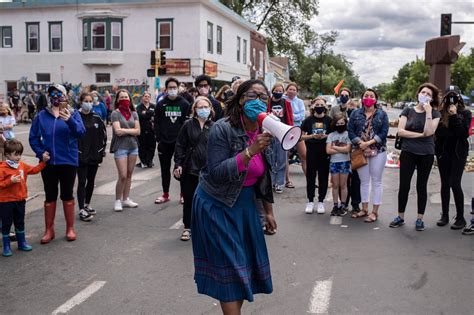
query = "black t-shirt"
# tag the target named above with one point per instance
(15, 98)
(416, 123)
(170, 115)
(278, 109)
(315, 125)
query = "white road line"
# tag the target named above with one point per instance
(177, 225)
(320, 297)
(79, 298)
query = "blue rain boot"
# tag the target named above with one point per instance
(7, 251)
(22, 243)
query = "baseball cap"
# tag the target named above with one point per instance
(235, 78)
(58, 87)
(453, 89)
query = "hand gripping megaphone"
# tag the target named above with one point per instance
(287, 135)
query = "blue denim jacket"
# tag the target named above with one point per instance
(379, 126)
(221, 178)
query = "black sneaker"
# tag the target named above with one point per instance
(84, 215)
(335, 211)
(397, 222)
(458, 224)
(443, 220)
(140, 165)
(469, 230)
(343, 210)
(90, 210)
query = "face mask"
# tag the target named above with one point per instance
(3, 114)
(86, 106)
(228, 94)
(319, 110)
(172, 93)
(423, 99)
(340, 128)
(277, 95)
(369, 102)
(344, 99)
(55, 101)
(452, 99)
(253, 108)
(203, 91)
(203, 113)
(124, 104)
(96, 98)
(12, 164)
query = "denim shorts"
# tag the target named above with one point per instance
(340, 167)
(122, 153)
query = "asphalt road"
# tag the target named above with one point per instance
(134, 263)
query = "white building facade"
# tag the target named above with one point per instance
(87, 42)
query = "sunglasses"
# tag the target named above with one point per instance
(254, 95)
(56, 94)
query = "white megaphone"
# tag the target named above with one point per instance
(287, 135)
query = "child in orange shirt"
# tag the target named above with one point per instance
(13, 193)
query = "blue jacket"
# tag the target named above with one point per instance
(379, 126)
(57, 136)
(100, 110)
(221, 178)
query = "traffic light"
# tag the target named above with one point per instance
(152, 59)
(162, 70)
(446, 24)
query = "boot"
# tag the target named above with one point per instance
(22, 243)
(68, 206)
(49, 214)
(459, 223)
(443, 220)
(7, 251)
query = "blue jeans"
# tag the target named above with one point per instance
(278, 161)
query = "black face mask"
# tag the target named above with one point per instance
(341, 128)
(319, 110)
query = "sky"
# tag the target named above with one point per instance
(379, 36)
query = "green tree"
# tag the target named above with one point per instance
(462, 72)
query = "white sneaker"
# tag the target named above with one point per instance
(321, 209)
(118, 206)
(309, 208)
(128, 203)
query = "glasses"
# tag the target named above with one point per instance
(203, 85)
(56, 94)
(254, 95)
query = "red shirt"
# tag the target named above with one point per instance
(10, 191)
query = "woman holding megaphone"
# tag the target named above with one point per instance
(230, 255)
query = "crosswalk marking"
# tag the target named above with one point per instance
(320, 297)
(177, 225)
(79, 298)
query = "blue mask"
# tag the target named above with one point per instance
(203, 113)
(12, 164)
(86, 106)
(344, 99)
(253, 108)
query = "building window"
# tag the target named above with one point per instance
(6, 37)
(238, 49)
(55, 36)
(164, 34)
(244, 52)
(260, 61)
(43, 77)
(219, 40)
(85, 36)
(32, 37)
(210, 37)
(98, 35)
(102, 77)
(254, 58)
(116, 35)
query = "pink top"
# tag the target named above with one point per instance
(256, 166)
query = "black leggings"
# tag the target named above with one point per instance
(317, 164)
(451, 169)
(85, 183)
(165, 154)
(353, 189)
(408, 162)
(12, 213)
(189, 184)
(146, 147)
(64, 175)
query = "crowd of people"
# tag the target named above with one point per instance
(228, 168)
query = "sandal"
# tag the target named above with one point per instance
(186, 236)
(289, 184)
(371, 218)
(162, 199)
(360, 214)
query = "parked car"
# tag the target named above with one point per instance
(331, 100)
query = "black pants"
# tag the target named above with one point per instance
(146, 147)
(12, 213)
(408, 163)
(317, 164)
(165, 154)
(353, 189)
(189, 184)
(85, 183)
(451, 169)
(64, 175)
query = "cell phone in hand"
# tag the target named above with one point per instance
(62, 106)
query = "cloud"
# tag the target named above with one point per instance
(379, 36)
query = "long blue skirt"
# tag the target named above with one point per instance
(230, 255)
